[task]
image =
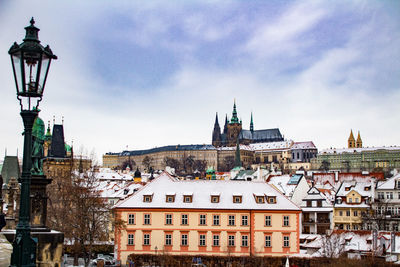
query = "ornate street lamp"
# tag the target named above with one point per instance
(30, 62)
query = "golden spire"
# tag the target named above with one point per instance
(359, 140)
(351, 141)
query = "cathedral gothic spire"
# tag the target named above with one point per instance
(226, 124)
(216, 136)
(251, 123)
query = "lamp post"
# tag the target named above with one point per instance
(30, 62)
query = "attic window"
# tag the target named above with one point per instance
(367, 188)
(237, 199)
(170, 198)
(260, 199)
(187, 198)
(214, 199)
(347, 188)
(147, 198)
(271, 199)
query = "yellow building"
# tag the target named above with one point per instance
(352, 201)
(219, 218)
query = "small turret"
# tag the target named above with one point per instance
(238, 162)
(359, 141)
(351, 141)
(137, 177)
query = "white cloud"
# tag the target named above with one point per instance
(282, 35)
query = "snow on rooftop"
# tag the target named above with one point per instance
(357, 150)
(389, 183)
(201, 195)
(304, 145)
(271, 145)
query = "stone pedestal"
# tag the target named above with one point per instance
(49, 246)
(39, 203)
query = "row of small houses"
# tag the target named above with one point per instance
(245, 217)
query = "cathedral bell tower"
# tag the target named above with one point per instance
(234, 127)
(351, 141)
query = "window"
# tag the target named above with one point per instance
(216, 220)
(231, 240)
(131, 239)
(319, 203)
(268, 241)
(170, 198)
(202, 240)
(231, 220)
(214, 199)
(168, 219)
(244, 220)
(146, 239)
(268, 220)
(260, 199)
(131, 219)
(355, 213)
(285, 220)
(202, 219)
(286, 241)
(347, 213)
(146, 219)
(216, 240)
(237, 199)
(347, 226)
(340, 213)
(184, 240)
(245, 241)
(184, 220)
(357, 200)
(355, 227)
(350, 200)
(168, 239)
(381, 195)
(271, 200)
(309, 203)
(389, 195)
(147, 198)
(188, 198)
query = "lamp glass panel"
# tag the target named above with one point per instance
(31, 65)
(16, 64)
(43, 73)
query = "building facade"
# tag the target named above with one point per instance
(219, 218)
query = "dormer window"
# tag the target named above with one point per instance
(339, 200)
(367, 188)
(214, 199)
(347, 188)
(188, 198)
(271, 199)
(148, 198)
(170, 197)
(237, 198)
(260, 198)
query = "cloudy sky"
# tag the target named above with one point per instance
(153, 73)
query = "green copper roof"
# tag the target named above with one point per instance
(210, 170)
(67, 148)
(47, 136)
(234, 119)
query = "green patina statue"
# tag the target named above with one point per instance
(37, 146)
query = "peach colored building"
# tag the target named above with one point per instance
(214, 217)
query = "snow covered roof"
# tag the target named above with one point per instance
(359, 187)
(304, 145)
(202, 192)
(389, 183)
(357, 150)
(271, 145)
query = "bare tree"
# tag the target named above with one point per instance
(188, 164)
(200, 165)
(325, 165)
(76, 208)
(128, 163)
(147, 162)
(228, 163)
(332, 245)
(173, 163)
